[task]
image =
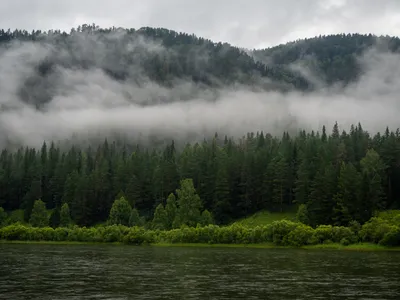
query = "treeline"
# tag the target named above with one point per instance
(331, 178)
(184, 210)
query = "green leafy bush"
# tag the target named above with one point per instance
(340, 232)
(323, 234)
(374, 230)
(300, 236)
(281, 233)
(391, 238)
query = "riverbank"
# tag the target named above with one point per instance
(331, 246)
(280, 234)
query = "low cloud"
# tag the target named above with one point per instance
(86, 101)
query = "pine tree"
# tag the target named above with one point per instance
(171, 210)
(65, 216)
(160, 219)
(373, 171)
(347, 198)
(189, 205)
(135, 219)
(206, 218)
(39, 216)
(120, 212)
(320, 202)
(222, 209)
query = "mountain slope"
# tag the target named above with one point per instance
(333, 57)
(167, 57)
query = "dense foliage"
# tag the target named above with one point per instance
(384, 231)
(332, 179)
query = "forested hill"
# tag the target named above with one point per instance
(129, 55)
(158, 54)
(332, 57)
(334, 178)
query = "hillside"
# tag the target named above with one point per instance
(167, 58)
(138, 56)
(332, 57)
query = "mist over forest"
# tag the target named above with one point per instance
(96, 115)
(155, 84)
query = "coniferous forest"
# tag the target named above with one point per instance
(337, 176)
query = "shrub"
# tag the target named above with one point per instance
(355, 227)
(61, 234)
(136, 236)
(344, 242)
(300, 236)
(340, 232)
(391, 238)
(322, 234)
(374, 230)
(278, 230)
(112, 234)
(13, 232)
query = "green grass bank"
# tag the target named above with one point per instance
(379, 233)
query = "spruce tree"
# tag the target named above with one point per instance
(39, 216)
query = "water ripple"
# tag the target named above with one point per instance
(119, 272)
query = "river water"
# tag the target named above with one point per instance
(129, 272)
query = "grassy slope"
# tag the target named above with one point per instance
(265, 218)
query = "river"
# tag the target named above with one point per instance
(29, 271)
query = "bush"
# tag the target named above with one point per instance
(355, 227)
(278, 230)
(391, 238)
(344, 242)
(136, 236)
(285, 233)
(300, 236)
(60, 234)
(374, 230)
(340, 232)
(392, 216)
(13, 232)
(323, 234)
(111, 234)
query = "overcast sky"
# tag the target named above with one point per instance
(244, 23)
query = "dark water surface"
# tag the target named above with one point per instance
(122, 272)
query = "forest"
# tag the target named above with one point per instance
(337, 176)
(333, 177)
